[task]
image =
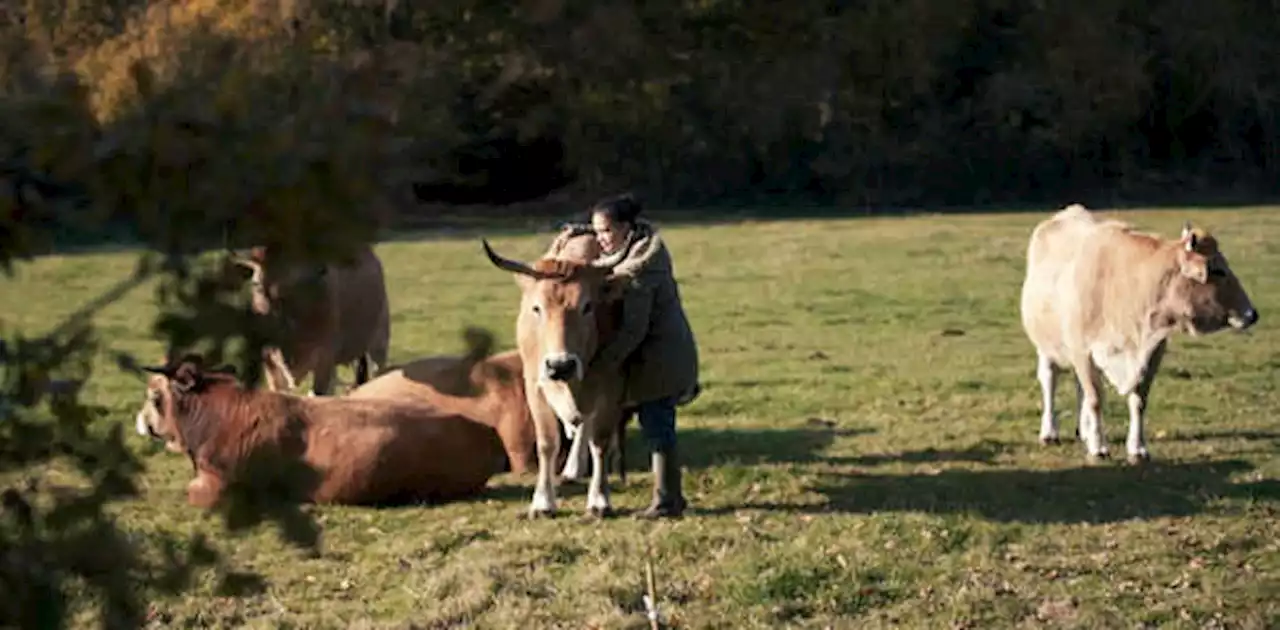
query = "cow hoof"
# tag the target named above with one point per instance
(1050, 441)
(1099, 457)
(537, 515)
(1138, 459)
(600, 512)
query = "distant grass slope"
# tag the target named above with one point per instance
(864, 454)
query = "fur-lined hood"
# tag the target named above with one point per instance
(641, 253)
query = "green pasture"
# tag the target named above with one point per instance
(863, 455)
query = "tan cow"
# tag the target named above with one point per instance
(344, 450)
(1100, 297)
(330, 314)
(578, 242)
(489, 391)
(568, 309)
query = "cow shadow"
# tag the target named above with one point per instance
(1088, 494)
(1225, 434)
(702, 447)
(984, 452)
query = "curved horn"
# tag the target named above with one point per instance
(507, 264)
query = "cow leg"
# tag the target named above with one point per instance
(205, 490)
(547, 433)
(322, 381)
(1091, 409)
(1136, 443)
(279, 377)
(574, 463)
(1047, 374)
(598, 494)
(362, 369)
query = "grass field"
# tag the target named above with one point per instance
(864, 454)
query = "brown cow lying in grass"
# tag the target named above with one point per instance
(489, 391)
(320, 449)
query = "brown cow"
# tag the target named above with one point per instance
(330, 313)
(1100, 297)
(578, 242)
(489, 391)
(568, 309)
(361, 451)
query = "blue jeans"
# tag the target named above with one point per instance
(658, 423)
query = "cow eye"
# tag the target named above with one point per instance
(586, 308)
(537, 310)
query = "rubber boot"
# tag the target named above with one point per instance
(668, 499)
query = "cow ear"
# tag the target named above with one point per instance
(1195, 267)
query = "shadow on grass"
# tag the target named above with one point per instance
(983, 452)
(707, 448)
(1088, 494)
(1224, 434)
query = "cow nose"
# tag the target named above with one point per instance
(1250, 317)
(561, 368)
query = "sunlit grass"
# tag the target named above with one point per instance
(864, 454)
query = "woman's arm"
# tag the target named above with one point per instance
(637, 306)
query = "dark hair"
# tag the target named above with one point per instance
(623, 208)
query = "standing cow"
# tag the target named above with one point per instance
(578, 242)
(329, 313)
(1103, 299)
(568, 309)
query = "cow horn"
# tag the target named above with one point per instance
(1189, 235)
(508, 264)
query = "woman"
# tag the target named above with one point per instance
(654, 346)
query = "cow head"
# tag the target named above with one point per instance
(279, 288)
(1209, 294)
(156, 418)
(565, 307)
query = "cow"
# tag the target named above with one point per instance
(568, 309)
(329, 314)
(1103, 299)
(487, 390)
(354, 451)
(578, 242)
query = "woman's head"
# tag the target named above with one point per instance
(613, 218)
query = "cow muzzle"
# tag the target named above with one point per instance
(143, 425)
(561, 367)
(1244, 320)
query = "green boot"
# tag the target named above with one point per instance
(668, 499)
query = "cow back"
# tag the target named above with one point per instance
(490, 392)
(378, 451)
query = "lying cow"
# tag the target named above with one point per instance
(568, 309)
(1101, 297)
(330, 314)
(362, 451)
(489, 391)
